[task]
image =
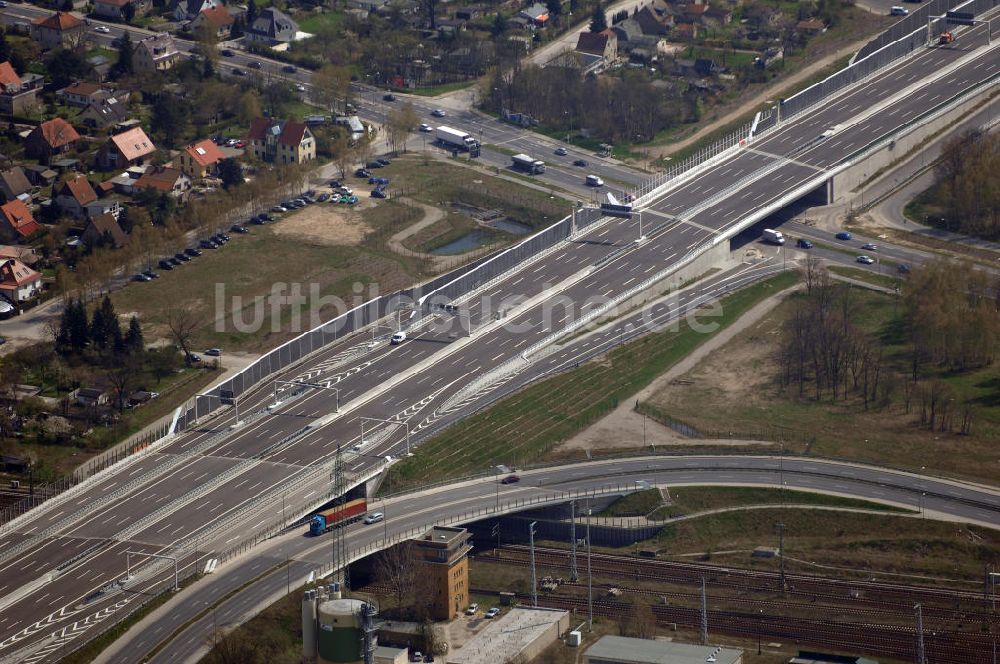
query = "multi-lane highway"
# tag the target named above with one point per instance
(210, 487)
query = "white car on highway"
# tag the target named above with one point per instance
(103, 29)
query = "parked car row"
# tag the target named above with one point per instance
(181, 257)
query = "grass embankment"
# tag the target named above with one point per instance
(525, 427)
(884, 280)
(737, 390)
(688, 500)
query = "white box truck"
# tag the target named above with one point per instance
(523, 162)
(773, 236)
(455, 139)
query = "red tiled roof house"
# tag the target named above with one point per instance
(50, 138)
(129, 148)
(16, 222)
(201, 159)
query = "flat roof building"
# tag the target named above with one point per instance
(441, 555)
(519, 635)
(625, 650)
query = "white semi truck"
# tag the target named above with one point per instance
(455, 139)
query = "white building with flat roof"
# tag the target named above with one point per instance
(521, 631)
(625, 650)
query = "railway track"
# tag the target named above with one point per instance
(897, 642)
(859, 592)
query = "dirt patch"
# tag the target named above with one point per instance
(325, 223)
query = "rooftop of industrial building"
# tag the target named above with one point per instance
(442, 534)
(644, 651)
(502, 640)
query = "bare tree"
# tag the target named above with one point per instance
(396, 569)
(399, 123)
(183, 322)
(122, 378)
(331, 85)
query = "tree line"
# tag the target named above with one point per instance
(950, 324)
(968, 190)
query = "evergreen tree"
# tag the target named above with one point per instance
(118, 341)
(73, 330)
(238, 28)
(98, 329)
(124, 66)
(554, 8)
(598, 20)
(104, 328)
(133, 338)
(499, 25)
(251, 12)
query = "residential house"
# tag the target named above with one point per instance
(450, 27)
(103, 229)
(769, 57)
(74, 195)
(155, 53)
(471, 13)
(537, 14)
(18, 282)
(118, 10)
(188, 10)
(631, 36)
(705, 67)
(50, 138)
(171, 181)
(59, 30)
(717, 16)
(603, 44)
(39, 175)
(22, 253)
(201, 159)
(810, 26)
(368, 6)
(89, 397)
(281, 142)
(584, 63)
(694, 13)
(128, 148)
(85, 93)
(17, 94)
(270, 28)
(16, 222)
(685, 32)
(101, 206)
(216, 21)
(103, 113)
(14, 184)
(653, 23)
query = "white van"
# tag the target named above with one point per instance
(899, 11)
(594, 181)
(398, 338)
(374, 517)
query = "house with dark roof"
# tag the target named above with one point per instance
(129, 148)
(103, 230)
(653, 23)
(685, 31)
(14, 184)
(603, 43)
(717, 16)
(694, 12)
(281, 141)
(200, 159)
(810, 26)
(155, 53)
(271, 27)
(215, 20)
(117, 10)
(18, 282)
(171, 181)
(188, 10)
(537, 14)
(103, 113)
(50, 138)
(16, 222)
(59, 30)
(84, 93)
(74, 195)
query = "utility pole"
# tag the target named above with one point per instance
(704, 614)
(496, 533)
(921, 658)
(590, 583)
(572, 535)
(781, 555)
(534, 581)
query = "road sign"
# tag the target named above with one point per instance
(960, 18)
(611, 210)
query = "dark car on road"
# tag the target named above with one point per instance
(510, 479)
(804, 244)
(581, 163)
(389, 97)
(843, 235)
(226, 53)
(288, 69)
(255, 65)
(238, 72)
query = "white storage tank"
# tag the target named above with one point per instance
(340, 639)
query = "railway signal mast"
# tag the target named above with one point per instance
(572, 535)
(704, 614)
(921, 656)
(338, 556)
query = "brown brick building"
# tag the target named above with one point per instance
(442, 562)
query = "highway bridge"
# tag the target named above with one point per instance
(202, 492)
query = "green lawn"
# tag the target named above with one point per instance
(329, 20)
(525, 427)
